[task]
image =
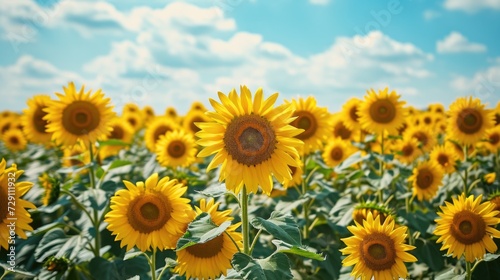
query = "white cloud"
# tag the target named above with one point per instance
(484, 84)
(319, 2)
(29, 76)
(471, 5)
(181, 53)
(457, 43)
(431, 14)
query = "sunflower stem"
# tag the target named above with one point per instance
(153, 264)
(254, 242)
(466, 175)
(468, 270)
(305, 207)
(96, 220)
(244, 219)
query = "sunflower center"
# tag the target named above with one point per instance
(468, 227)
(132, 121)
(161, 130)
(424, 179)
(342, 131)
(80, 117)
(497, 119)
(353, 113)
(148, 212)
(494, 138)
(407, 150)
(250, 139)
(443, 159)
(469, 121)
(383, 111)
(421, 137)
(208, 249)
(14, 140)
(427, 120)
(117, 133)
(176, 149)
(336, 153)
(38, 120)
(306, 121)
(378, 252)
(5, 127)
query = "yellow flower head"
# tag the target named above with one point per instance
(469, 120)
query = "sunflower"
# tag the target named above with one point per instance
(467, 227)
(361, 211)
(120, 130)
(408, 150)
(197, 106)
(427, 178)
(252, 140)
(210, 259)
(313, 120)
(428, 119)
(350, 113)
(469, 121)
(192, 117)
(381, 112)
(76, 156)
(10, 186)
(492, 142)
(424, 136)
(130, 108)
(7, 114)
(78, 116)
(8, 123)
(496, 113)
(445, 156)
(176, 148)
(149, 215)
(170, 112)
(336, 151)
(34, 125)
(436, 108)
(147, 113)
(490, 177)
(14, 140)
(159, 126)
(341, 130)
(135, 120)
(51, 187)
(377, 249)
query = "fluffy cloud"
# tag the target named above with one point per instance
(181, 53)
(457, 43)
(471, 5)
(29, 76)
(484, 84)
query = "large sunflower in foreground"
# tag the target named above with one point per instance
(427, 177)
(382, 112)
(251, 139)
(469, 120)
(176, 148)
(445, 156)
(158, 127)
(78, 116)
(10, 186)
(211, 259)
(149, 215)
(314, 120)
(467, 226)
(377, 249)
(34, 125)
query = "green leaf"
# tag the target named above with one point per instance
(490, 257)
(119, 163)
(304, 251)
(275, 267)
(97, 197)
(428, 252)
(348, 162)
(113, 142)
(450, 275)
(282, 226)
(201, 230)
(100, 268)
(99, 172)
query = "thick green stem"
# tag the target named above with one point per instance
(152, 264)
(305, 207)
(97, 221)
(244, 221)
(468, 269)
(466, 175)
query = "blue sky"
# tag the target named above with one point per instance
(171, 53)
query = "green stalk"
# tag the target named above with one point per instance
(468, 270)
(244, 221)
(466, 175)
(96, 220)
(152, 264)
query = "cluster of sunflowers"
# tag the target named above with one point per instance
(376, 190)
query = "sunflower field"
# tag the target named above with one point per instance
(249, 188)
